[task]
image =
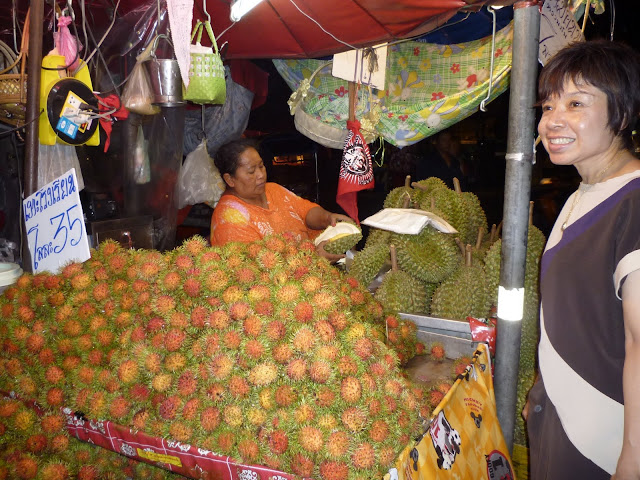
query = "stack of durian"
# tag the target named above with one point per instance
(444, 275)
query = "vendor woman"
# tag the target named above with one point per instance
(251, 207)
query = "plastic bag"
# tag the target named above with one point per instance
(56, 159)
(67, 44)
(138, 95)
(141, 167)
(199, 180)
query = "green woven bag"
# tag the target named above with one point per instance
(206, 72)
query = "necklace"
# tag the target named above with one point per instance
(585, 187)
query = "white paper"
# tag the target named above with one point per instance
(407, 220)
(180, 18)
(558, 28)
(354, 67)
(55, 225)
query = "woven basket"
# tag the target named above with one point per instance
(13, 86)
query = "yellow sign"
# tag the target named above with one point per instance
(159, 457)
(464, 439)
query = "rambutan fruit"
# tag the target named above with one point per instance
(183, 262)
(174, 339)
(238, 386)
(54, 374)
(171, 281)
(232, 340)
(330, 470)
(246, 275)
(363, 347)
(435, 397)
(119, 408)
(161, 382)
(301, 465)
(8, 407)
(221, 366)
(36, 443)
(350, 389)
(460, 365)
(278, 442)
(239, 310)
(94, 357)
(225, 441)
(248, 450)
(232, 415)
(338, 320)
(304, 339)
(219, 319)
(54, 470)
(46, 356)
(282, 353)
(196, 245)
(26, 314)
(393, 387)
(209, 419)
(186, 384)
(347, 365)
(305, 413)
(138, 393)
(175, 362)
(13, 367)
(215, 280)
(285, 395)
(263, 374)
(324, 301)
(34, 342)
(169, 407)
(297, 369)
(392, 321)
(320, 371)
(325, 397)
(55, 397)
(379, 431)
(338, 443)
(180, 431)
(276, 330)
(192, 287)
(198, 316)
(128, 371)
(310, 439)
(164, 304)
(312, 284)
(26, 467)
(191, 408)
(232, 294)
(354, 419)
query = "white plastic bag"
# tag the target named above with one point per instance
(141, 167)
(199, 180)
(56, 159)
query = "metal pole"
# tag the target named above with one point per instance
(519, 160)
(32, 111)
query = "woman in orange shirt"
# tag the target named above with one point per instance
(251, 207)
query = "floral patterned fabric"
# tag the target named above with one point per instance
(429, 87)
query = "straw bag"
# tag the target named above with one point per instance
(13, 86)
(206, 72)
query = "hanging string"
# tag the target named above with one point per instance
(483, 107)
(321, 27)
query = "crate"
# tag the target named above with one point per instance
(454, 335)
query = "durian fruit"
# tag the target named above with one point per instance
(429, 184)
(342, 242)
(464, 294)
(448, 204)
(401, 292)
(402, 197)
(377, 235)
(430, 256)
(367, 262)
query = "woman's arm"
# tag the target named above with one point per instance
(318, 218)
(629, 462)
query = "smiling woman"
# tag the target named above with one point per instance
(252, 208)
(585, 406)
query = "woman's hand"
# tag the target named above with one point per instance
(338, 217)
(332, 257)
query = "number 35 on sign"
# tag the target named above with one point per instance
(55, 225)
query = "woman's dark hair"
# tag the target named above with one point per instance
(227, 156)
(613, 68)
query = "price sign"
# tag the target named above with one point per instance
(558, 28)
(55, 225)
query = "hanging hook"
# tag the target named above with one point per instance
(204, 9)
(483, 107)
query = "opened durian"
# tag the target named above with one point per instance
(340, 238)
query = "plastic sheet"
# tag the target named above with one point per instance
(199, 180)
(56, 159)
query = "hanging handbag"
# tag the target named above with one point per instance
(206, 72)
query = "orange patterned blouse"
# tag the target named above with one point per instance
(234, 220)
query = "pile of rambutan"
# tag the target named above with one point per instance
(263, 352)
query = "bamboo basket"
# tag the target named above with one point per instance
(13, 86)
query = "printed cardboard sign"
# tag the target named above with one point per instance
(558, 28)
(55, 225)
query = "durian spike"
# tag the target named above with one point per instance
(531, 213)
(492, 237)
(479, 239)
(461, 246)
(394, 257)
(424, 188)
(498, 229)
(456, 185)
(406, 201)
(407, 181)
(433, 203)
(468, 261)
